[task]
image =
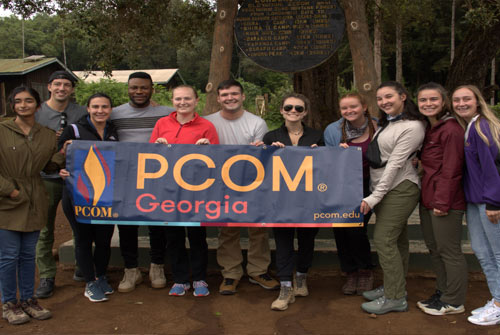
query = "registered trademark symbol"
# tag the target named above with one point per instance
(322, 187)
(115, 215)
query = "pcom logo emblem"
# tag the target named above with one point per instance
(93, 189)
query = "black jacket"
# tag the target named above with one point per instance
(87, 132)
(309, 137)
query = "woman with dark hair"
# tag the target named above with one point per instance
(442, 203)
(395, 193)
(26, 148)
(355, 128)
(93, 264)
(482, 191)
(294, 107)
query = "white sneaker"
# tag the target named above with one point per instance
(488, 317)
(131, 278)
(480, 309)
(157, 276)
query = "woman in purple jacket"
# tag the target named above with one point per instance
(482, 191)
(442, 203)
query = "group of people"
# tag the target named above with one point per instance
(453, 146)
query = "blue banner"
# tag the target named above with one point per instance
(215, 185)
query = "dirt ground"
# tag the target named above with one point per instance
(325, 311)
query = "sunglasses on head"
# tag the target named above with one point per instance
(298, 109)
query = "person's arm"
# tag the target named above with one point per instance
(407, 142)
(211, 134)
(449, 180)
(332, 134)
(260, 131)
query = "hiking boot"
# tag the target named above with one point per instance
(102, 282)
(374, 294)
(286, 297)
(228, 286)
(131, 278)
(45, 289)
(14, 314)
(480, 309)
(200, 288)
(78, 275)
(265, 281)
(349, 288)
(441, 308)
(365, 281)
(489, 316)
(157, 276)
(433, 298)
(384, 305)
(33, 309)
(179, 290)
(300, 286)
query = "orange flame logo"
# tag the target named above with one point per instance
(98, 173)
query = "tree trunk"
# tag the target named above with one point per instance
(320, 86)
(377, 41)
(222, 50)
(452, 48)
(472, 57)
(399, 52)
(361, 50)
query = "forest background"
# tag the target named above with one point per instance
(417, 41)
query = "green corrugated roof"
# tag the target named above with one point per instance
(18, 66)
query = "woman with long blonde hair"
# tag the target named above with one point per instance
(482, 191)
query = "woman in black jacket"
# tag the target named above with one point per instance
(92, 127)
(293, 132)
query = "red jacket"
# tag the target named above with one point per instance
(442, 159)
(188, 133)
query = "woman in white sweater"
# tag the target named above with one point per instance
(395, 193)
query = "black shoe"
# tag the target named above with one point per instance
(433, 298)
(78, 275)
(46, 288)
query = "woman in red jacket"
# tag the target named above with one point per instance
(442, 204)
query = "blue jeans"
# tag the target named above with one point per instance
(17, 264)
(485, 241)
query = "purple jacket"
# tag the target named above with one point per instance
(481, 179)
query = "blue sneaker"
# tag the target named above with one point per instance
(200, 288)
(94, 292)
(102, 281)
(179, 289)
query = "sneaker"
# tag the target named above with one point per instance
(157, 276)
(45, 289)
(480, 309)
(384, 305)
(433, 298)
(200, 288)
(365, 281)
(286, 297)
(14, 314)
(131, 278)
(374, 294)
(441, 308)
(94, 292)
(33, 309)
(102, 282)
(179, 290)
(350, 285)
(489, 316)
(78, 275)
(300, 286)
(265, 281)
(228, 286)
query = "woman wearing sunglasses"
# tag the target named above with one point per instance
(293, 132)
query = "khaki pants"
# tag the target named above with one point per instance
(443, 237)
(391, 236)
(229, 252)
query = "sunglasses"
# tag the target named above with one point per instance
(298, 109)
